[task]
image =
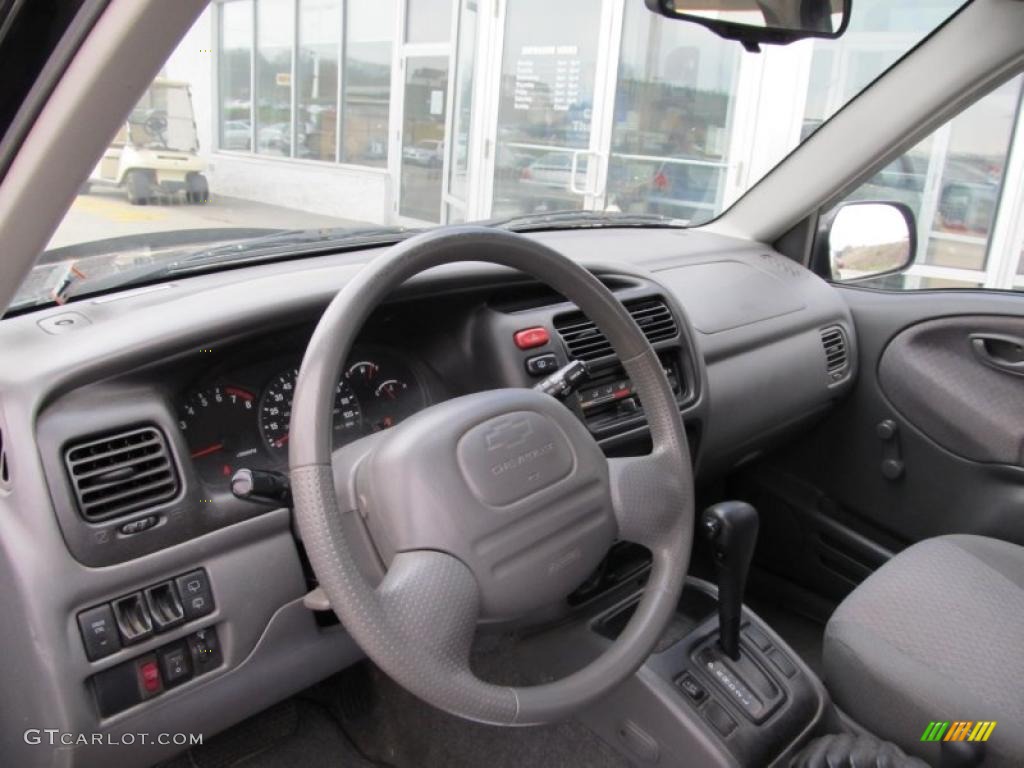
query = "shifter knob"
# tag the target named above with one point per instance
(731, 527)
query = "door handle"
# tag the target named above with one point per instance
(573, 169)
(999, 351)
(593, 172)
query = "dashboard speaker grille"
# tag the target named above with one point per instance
(585, 342)
(121, 472)
(833, 339)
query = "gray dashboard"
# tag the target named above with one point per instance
(754, 356)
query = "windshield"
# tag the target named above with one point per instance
(327, 115)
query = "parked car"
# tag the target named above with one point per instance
(427, 152)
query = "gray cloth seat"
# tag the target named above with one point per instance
(937, 633)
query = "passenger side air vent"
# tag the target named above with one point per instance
(121, 473)
(585, 342)
(833, 339)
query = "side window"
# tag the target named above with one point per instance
(964, 186)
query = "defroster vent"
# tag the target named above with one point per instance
(121, 472)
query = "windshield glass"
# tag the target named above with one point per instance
(284, 115)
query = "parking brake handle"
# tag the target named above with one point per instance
(731, 527)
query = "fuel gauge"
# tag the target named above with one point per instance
(385, 391)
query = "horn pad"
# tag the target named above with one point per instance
(508, 481)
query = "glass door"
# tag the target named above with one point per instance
(420, 154)
(547, 148)
(423, 138)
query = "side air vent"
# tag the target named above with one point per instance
(121, 473)
(833, 339)
(585, 342)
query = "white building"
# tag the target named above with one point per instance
(498, 107)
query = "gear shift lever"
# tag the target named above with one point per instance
(731, 527)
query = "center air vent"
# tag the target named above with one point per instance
(585, 342)
(121, 473)
(833, 339)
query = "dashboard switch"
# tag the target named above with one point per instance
(176, 664)
(196, 595)
(99, 633)
(138, 526)
(164, 606)
(528, 338)
(149, 676)
(204, 649)
(133, 619)
(541, 365)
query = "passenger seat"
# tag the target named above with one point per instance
(935, 634)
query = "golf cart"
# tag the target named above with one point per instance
(154, 154)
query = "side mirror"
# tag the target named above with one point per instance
(869, 239)
(753, 22)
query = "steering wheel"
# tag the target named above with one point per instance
(486, 506)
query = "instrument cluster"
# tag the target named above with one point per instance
(241, 418)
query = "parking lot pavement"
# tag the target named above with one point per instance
(104, 213)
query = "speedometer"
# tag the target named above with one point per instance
(276, 412)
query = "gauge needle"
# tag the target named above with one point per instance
(207, 451)
(281, 441)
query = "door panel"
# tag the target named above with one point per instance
(958, 380)
(927, 443)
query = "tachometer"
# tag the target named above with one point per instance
(219, 425)
(276, 411)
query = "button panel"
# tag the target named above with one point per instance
(151, 675)
(135, 617)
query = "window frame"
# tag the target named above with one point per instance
(1004, 245)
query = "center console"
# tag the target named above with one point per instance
(720, 688)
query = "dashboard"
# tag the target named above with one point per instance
(237, 415)
(128, 414)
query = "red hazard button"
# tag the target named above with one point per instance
(528, 338)
(149, 676)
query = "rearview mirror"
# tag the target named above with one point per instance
(756, 22)
(868, 239)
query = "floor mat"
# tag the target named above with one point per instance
(294, 734)
(404, 732)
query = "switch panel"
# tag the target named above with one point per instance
(153, 674)
(133, 618)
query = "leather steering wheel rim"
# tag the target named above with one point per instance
(417, 625)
